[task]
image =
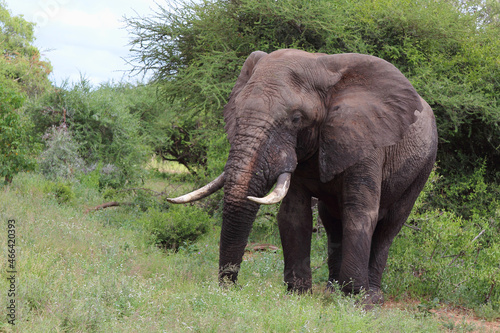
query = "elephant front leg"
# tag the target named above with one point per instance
(295, 226)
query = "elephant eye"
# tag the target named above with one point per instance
(296, 118)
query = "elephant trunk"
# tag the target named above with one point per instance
(250, 173)
(237, 219)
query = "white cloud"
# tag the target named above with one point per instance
(82, 37)
(104, 19)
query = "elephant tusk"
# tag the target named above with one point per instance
(201, 193)
(282, 185)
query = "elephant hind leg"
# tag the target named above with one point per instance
(385, 232)
(333, 227)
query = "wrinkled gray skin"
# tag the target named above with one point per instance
(353, 132)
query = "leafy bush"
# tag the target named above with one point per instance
(15, 144)
(180, 224)
(465, 194)
(91, 177)
(447, 257)
(110, 175)
(62, 192)
(450, 252)
(100, 123)
(61, 158)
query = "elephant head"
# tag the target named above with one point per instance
(290, 108)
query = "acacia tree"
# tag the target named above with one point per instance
(448, 49)
(22, 74)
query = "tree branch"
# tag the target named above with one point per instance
(108, 204)
(412, 227)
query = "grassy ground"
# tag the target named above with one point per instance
(94, 272)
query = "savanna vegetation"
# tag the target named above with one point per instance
(68, 153)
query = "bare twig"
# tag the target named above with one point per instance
(456, 257)
(433, 252)
(412, 227)
(482, 232)
(491, 291)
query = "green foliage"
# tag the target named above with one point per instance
(450, 253)
(145, 200)
(426, 306)
(101, 124)
(61, 158)
(447, 257)
(20, 60)
(168, 135)
(217, 152)
(15, 143)
(179, 225)
(91, 178)
(62, 192)
(467, 195)
(449, 50)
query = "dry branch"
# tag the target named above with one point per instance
(108, 204)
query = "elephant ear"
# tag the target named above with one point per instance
(370, 104)
(245, 75)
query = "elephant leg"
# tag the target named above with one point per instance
(356, 244)
(295, 226)
(333, 227)
(360, 206)
(385, 232)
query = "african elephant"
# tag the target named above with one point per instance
(349, 129)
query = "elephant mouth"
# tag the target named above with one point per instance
(279, 192)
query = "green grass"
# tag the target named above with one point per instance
(167, 166)
(81, 273)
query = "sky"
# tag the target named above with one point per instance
(84, 37)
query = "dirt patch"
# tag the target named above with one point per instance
(452, 318)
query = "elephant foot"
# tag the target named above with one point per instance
(300, 286)
(371, 298)
(332, 287)
(228, 275)
(376, 296)
(368, 299)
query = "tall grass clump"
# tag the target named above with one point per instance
(177, 226)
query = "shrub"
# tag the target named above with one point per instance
(101, 124)
(62, 192)
(61, 158)
(450, 248)
(15, 143)
(112, 176)
(179, 225)
(90, 177)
